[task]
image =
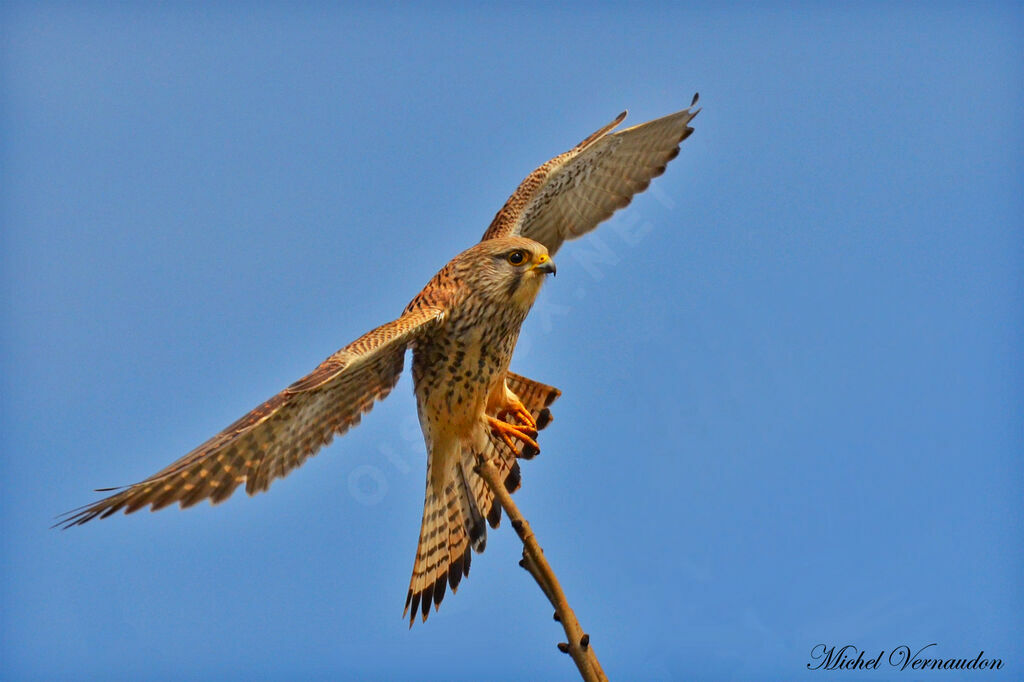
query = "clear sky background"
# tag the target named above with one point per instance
(792, 376)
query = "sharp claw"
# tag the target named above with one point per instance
(529, 442)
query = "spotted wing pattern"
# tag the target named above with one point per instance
(280, 434)
(572, 193)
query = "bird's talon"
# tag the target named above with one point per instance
(519, 414)
(509, 433)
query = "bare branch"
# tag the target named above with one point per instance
(578, 645)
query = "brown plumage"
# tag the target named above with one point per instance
(572, 193)
(462, 329)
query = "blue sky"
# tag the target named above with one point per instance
(792, 408)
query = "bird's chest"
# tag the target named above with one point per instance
(457, 367)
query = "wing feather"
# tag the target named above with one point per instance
(574, 192)
(279, 435)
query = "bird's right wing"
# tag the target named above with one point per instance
(280, 434)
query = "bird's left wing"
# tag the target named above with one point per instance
(280, 434)
(572, 193)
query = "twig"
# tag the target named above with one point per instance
(578, 646)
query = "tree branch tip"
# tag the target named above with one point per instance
(536, 564)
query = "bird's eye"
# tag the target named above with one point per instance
(517, 257)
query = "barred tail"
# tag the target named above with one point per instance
(452, 526)
(453, 521)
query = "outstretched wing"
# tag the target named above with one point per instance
(572, 193)
(281, 433)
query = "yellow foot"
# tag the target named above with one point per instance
(521, 414)
(511, 432)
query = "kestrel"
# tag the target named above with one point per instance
(462, 329)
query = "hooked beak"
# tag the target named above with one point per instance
(545, 265)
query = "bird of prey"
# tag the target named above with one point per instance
(462, 329)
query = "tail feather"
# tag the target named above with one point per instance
(452, 526)
(471, 515)
(455, 521)
(504, 459)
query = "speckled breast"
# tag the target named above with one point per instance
(456, 367)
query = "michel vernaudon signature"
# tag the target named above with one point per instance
(849, 657)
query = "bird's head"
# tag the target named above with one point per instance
(507, 269)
